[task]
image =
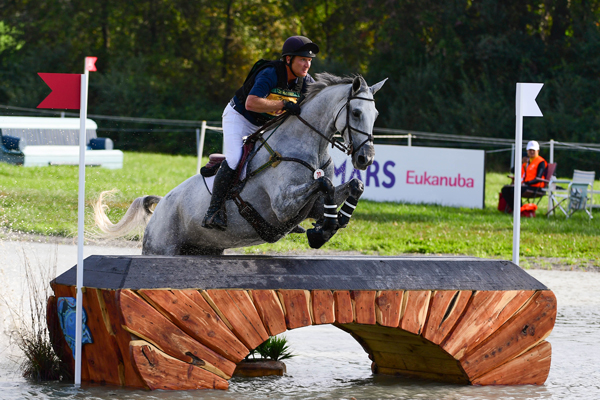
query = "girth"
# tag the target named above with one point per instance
(265, 230)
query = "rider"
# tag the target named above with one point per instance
(271, 88)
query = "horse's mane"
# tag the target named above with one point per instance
(325, 79)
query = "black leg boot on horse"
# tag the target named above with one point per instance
(216, 215)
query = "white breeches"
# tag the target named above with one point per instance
(235, 128)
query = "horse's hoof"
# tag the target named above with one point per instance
(298, 229)
(316, 238)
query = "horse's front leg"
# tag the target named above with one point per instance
(292, 199)
(327, 223)
(349, 193)
(298, 196)
(347, 196)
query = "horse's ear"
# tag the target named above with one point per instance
(358, 84)
(375, 88)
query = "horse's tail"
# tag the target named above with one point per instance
(137, 215)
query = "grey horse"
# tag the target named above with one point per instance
(281, 195)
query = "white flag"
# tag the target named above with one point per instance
(525, 104)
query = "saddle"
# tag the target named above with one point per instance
(215, 159)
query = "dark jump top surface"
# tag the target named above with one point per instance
(301, 272)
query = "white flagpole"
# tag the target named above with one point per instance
(525, 106)
(517, 196)
(80, 227)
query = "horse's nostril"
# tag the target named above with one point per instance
(362, 160)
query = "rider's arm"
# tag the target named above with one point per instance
(261, 105)
(264, 82)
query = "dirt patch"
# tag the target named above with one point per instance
(547, 263)
(16, 236)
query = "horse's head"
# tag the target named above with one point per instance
(355, 121)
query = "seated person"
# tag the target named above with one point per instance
(532, 174)
(524, 160)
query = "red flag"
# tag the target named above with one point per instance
(90, 63)
(66, 91)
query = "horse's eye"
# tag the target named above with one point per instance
(356, 113)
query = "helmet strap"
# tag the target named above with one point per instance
(289, 65)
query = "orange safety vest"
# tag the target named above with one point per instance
(529, 171)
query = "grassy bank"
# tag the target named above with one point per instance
(44, 201)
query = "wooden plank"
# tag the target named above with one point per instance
(532, 324)
(416, 363)
(377, 331)
(296, 307)
(400, 340)
(446, 308)
(160, 371)
(127, 371)
(530, 368)
(407, 348)
(486, 312)
(364, 306)
(238, 309)
(102, 356)
(270, 311)
(344, 313)
(388, 304)
(422, 375)
(70, 291)
(323, 307)
(307, 273)
(147, 323)
(414, 310)
(197, 319)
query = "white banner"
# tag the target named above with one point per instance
(432, 175)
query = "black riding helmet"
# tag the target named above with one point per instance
(298, 46)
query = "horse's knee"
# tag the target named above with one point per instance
(357, 187)
(326, 187)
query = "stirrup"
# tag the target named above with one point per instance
(216, 220)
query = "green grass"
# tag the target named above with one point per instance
(44, 201)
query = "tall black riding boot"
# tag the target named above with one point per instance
(216, 215)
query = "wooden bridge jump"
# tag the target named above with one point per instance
(185, 322)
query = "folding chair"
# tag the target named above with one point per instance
(578, 198)
(587, 177)
(583, 182)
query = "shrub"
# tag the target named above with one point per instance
(275, 348)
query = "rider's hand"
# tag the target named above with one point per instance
(291, 107)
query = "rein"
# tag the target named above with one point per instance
(346, 148)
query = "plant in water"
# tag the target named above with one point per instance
(30, 332)
(275, 348)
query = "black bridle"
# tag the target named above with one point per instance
(346, 148)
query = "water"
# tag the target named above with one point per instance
(329, 363)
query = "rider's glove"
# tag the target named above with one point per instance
(291, 107)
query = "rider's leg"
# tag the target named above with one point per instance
(216, 216)
(235, 127)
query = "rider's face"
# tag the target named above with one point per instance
(301, 65)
